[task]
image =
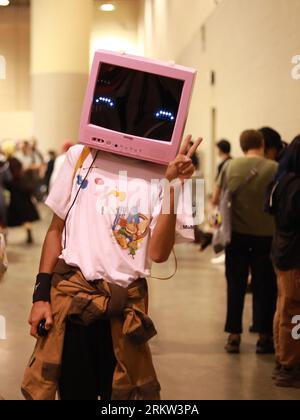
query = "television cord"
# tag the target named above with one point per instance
(76, 197)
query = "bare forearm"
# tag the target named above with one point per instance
(182, 168)
(216, 196)
(51, 250)
(41, 309)
(163, 237)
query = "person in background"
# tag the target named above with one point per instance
(195, 161)
(224, 154)
(284, 204)
(50, 169)
(24, 154)
(202, 238)
(274, 145)
(274, 150)
(37, 156)
(8, 148)
(250, 247)
(38, 168)
(5, 177)
(21, 210)
(59, 161)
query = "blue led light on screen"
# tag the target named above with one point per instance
(106, 101)
(165, 115)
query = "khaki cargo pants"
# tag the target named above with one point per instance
(288, 307)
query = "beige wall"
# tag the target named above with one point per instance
(60, 41)
(16, 125)
(15, 114)
(117, 31)
(250, 45)
(58, 36)
(171, 24)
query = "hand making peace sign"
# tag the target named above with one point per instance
(182, 167)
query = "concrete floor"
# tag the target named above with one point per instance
(188, 312)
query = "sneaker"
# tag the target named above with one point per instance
(233, 346)
(206, 241)
(276, 371)
(288, 378)
(265, 346)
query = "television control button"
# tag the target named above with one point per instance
(108, 143)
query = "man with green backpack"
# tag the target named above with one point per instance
(247, 234)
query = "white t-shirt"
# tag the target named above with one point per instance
(109, 227)
(59, 161)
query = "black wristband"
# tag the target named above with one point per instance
(42, 288)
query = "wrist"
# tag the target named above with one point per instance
(42, 289)
(41, 302)
(170, 178)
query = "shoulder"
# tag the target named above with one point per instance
(225, 169)
(235, 163)
(271, 165)
(74, 153)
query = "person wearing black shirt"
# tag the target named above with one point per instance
(284, 203)
(224, 154)
(50, 169)
(275, 147)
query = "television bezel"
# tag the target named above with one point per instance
(157, 151)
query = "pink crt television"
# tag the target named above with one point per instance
(136, 107)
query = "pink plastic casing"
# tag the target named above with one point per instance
(127, 145)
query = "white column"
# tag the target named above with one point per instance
(60, 42)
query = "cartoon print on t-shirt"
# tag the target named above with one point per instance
(99, 181)
(83, 184)
(130, 229)
(121, 196)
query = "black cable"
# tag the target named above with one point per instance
(75, 199)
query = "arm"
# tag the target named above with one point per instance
(216, 196)
(52, 245)
(163, 237)
(51, 251)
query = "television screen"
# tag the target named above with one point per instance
(136, 103)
